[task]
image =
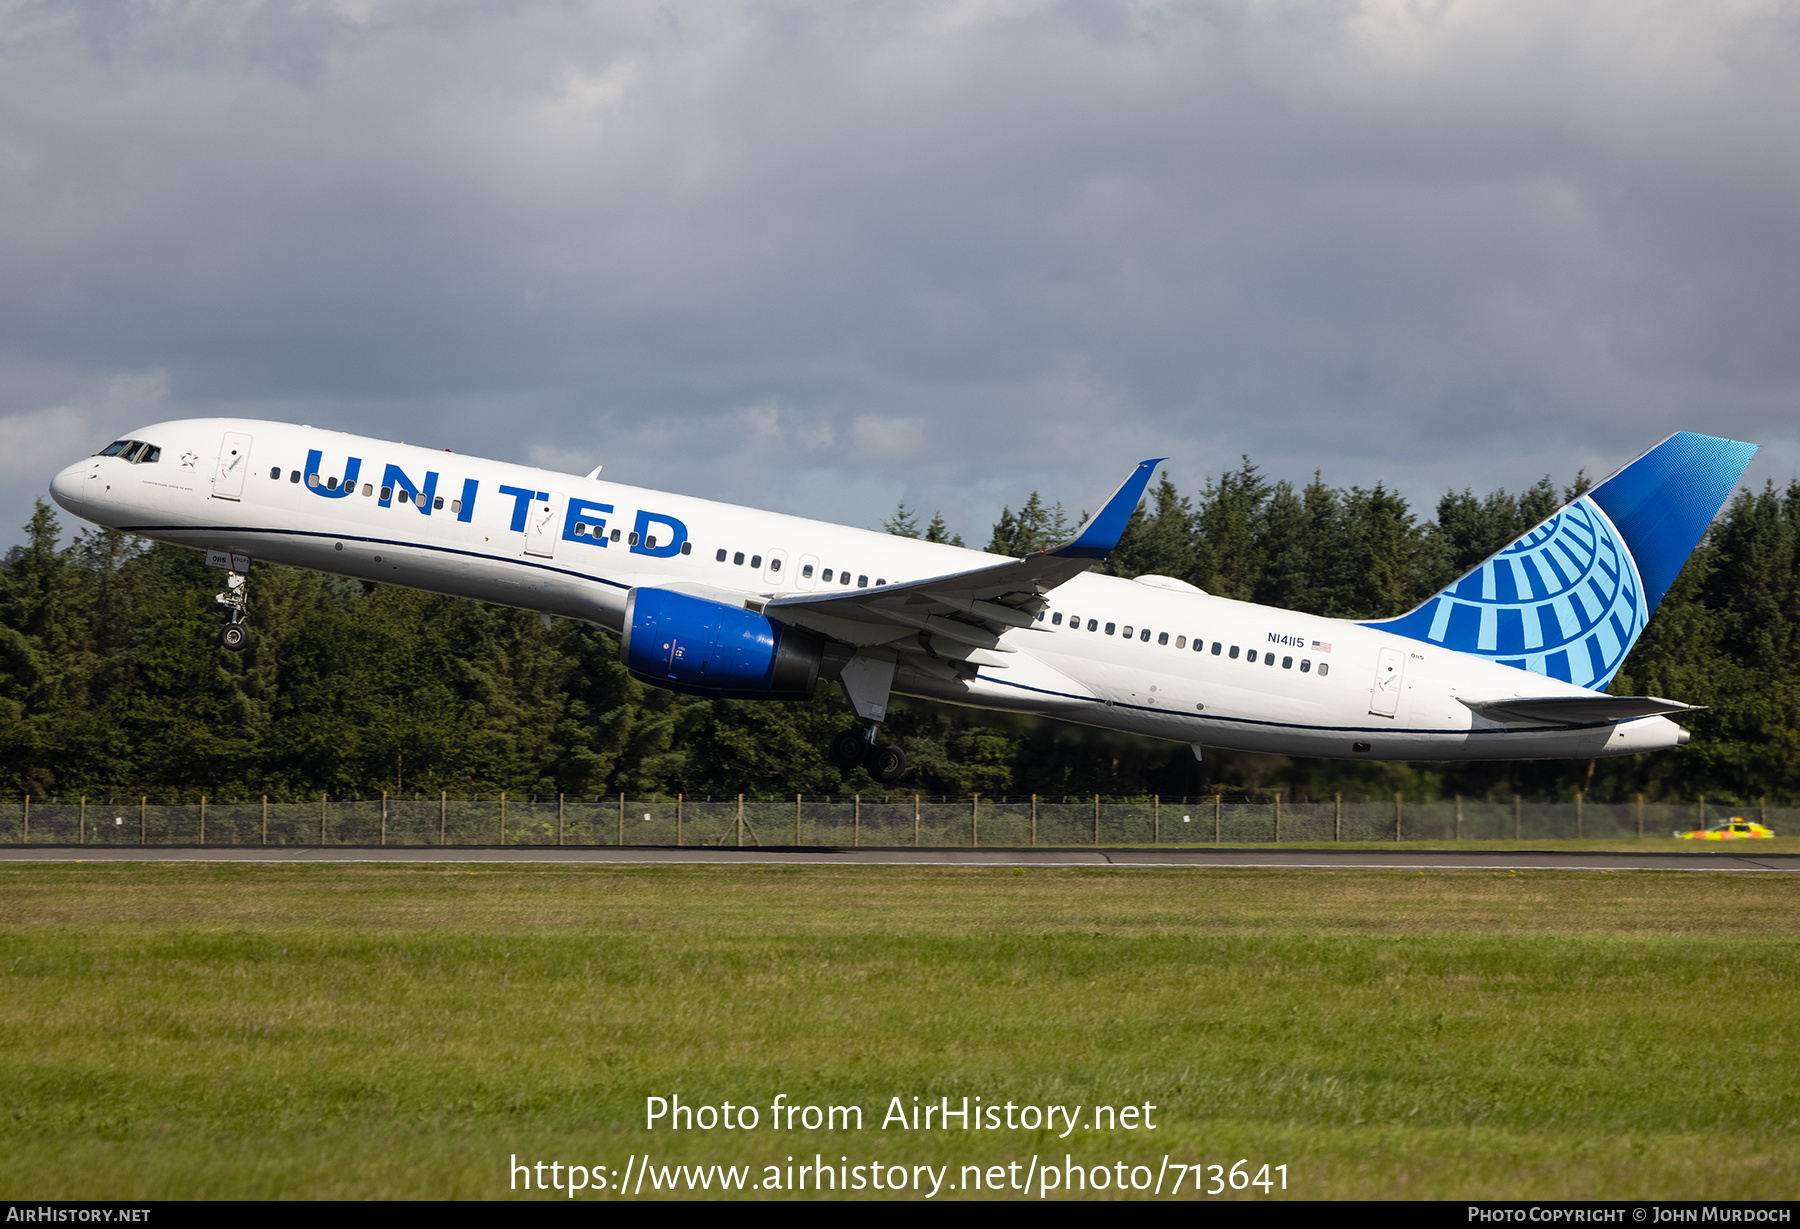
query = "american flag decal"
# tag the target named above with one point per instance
(1322, 646)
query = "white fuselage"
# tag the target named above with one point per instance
(485, 533)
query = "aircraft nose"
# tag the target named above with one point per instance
(66, 487)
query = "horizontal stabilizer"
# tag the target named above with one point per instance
(1578, 710)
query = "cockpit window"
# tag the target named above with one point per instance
(135, 451)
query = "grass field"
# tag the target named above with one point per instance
(400, 1031)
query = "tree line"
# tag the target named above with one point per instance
(112, 682)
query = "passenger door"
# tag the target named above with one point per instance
(234, 463)
(542, 526)
(1384, 696)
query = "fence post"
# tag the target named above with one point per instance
(1517, 828)
(1096, 819)
(856, 822)
(559, 819)
(1762, 811)
(915, 821)
(384, 817)
(1337, 817)
(1640, 816)
(503, 817)
(621, 821)
(1218, 808)
(740, 819)
(1459, 817)
(1396, 816)
(443, 814)
(26, 839)
(1034, 819)
(321, 819)
(265, 839)
(1702, 811)
(796, 820)
(1278, 819)
(203, 819)
(975, 822)
(143, 821)
(81, 830)
(1156, 819)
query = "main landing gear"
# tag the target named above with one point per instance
(886, 762)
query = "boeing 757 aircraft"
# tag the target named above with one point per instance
(1510, 662)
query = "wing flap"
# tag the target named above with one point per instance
(1578, 710)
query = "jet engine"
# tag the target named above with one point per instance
(690, 644)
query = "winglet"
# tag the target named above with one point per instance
(1096, 538)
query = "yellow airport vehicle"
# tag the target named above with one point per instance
(1733, 829)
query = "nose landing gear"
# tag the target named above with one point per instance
(235, 635)
(886, 762)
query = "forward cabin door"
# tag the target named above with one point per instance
(541, 528)
(234, 463)
(1384, 696)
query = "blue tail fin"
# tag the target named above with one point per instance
(1572, 596)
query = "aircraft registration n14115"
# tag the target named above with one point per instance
(1510, 662)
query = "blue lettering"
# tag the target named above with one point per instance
(585, 512)
(468, 501)
(316, 483)
(663, 550)
(521, 505)
(394, 479)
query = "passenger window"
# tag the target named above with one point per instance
(1128, 631)
(1145, 636)
(615, 535)
(1163, 638)
(419, 499)
(437, 504)
(581, 529)
(368, 490)
(1109, 628)
(1250, 657)
(1324, 668)
(1305, 665)
(738, 559)
(387, 493)
(720, 557)
(862, 582)
(1056, 619)
(807, 571)
(1216, 647)
(1268, 659)
(774, 565)
(1093, 625)
(827, 577)
(276, 472)
(631, 538)
(331, 484)
(456, 505)
(843, 578)
(756, 561)
(687, 548)
(294, 477)
(1287, 663)
(1234, 652)
(881, 580)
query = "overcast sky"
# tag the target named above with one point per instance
(821, 257)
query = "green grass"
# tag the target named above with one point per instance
(192, 1030)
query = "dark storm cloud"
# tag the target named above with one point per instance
(823, 257)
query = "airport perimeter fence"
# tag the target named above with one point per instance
(888, 820)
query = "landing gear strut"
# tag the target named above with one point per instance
(235, 635)
(886, 762)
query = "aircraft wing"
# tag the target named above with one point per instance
(1578, 710)
(960, 617)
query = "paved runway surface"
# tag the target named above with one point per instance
(1327, 859)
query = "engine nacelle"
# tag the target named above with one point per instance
(708, 648)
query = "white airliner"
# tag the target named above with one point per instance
(1510, 662)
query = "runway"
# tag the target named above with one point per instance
(1735, 861)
